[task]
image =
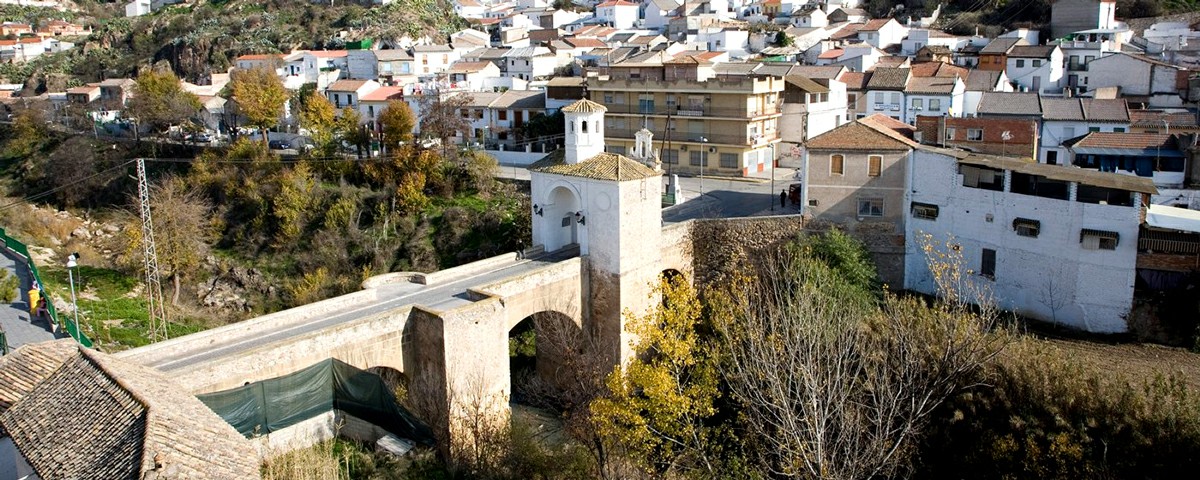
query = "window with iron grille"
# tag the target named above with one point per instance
(1026, 227)
(1099, 239)
(870, 207)
(924, 211)
(695, 158)
(729, 160)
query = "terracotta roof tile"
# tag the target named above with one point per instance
(931, 85)
(1154, 118)
(888, 78)
(1009, 103)
(1032, 51)
(584, 105)
(1144, 141)
(97, 416)
(28, 366)
(605, 166)
(383, 94)
(869, 134)
(875, 25)
(938, 69)
(854, 80)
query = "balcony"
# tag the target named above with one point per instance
(713, 138)
(693, 110)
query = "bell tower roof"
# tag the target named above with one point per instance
(584, 106)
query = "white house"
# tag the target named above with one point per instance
(618, 14)
(979, 82)
(530, 63)
(472, 76)
(735, 41)
(933, 96)
(882, 33)
(657, 14)
(432, 59)
(469, 8)
(346, 93)
(1067, 119)
(137, 8)
(919, 38)
(810, 16)
(1153, 82)
(1047, 242)
(811, 107)
(1036, 68)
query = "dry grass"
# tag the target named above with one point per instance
(320, 462)
(1134, 361)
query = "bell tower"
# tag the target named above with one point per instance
(585, 130)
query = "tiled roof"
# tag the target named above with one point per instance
(521, 99)
(894, 61)
(1062, 109)
(567, 82)
(828, 72)
(854, 80)
(265, 56)
(938, 69)
(28, 366)
(1002, 45)
(869, 134)
(937, 49)
(982, 80)
(831, 54)
(468, 67)
(1032, 51)
(875, 25)
(931, 85)
(888, 78)
(850, 30)
(583, 42)
(1117, 181)
(605, 166)
(328, 53)
(101, 417)
(1154, 118)
(584, 105)
(617, 3)
(1009, 103)
(383, 94)
(1105, 109)
(1121, 140)
(347, 85)
(391, 55)
(431, 48)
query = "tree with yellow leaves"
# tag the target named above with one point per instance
(260, 97)
(396, 123)
(658, 403)
(319, 117)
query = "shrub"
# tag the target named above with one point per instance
(9, 285)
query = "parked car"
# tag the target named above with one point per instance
(202, 137)
(278, 145)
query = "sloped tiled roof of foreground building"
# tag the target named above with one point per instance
(77, 413)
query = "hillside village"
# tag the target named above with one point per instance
(1061, 164)
(1089, 112)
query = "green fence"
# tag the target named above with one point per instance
(20, 249)
(3, 344)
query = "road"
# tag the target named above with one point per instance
(438, 297)
(723, 197)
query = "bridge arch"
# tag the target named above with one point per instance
(542, 347)
(560, 225)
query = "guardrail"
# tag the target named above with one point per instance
(16, 247)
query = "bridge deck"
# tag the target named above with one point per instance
(442, 296)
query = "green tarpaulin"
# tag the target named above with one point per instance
(270, 405)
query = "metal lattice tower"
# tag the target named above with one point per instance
(157, 311)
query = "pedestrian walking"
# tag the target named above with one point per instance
(782, 198)
(520, 248)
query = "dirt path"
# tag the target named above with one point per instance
(1137, 361)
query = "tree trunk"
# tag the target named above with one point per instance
(175, 294)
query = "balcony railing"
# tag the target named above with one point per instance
(693, 110)
(713, 138)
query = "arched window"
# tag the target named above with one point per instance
(583, 127)
(572, 124)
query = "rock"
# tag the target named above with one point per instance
(111, 228)
(81, 232)
(219, 294)
(56, 242)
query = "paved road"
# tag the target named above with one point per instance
(438, 297)
(723, 197)
(14, 317)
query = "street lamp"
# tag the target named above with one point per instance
(703, 160)
(71, 264)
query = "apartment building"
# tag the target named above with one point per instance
(723, 122)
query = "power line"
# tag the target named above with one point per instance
(52, 191)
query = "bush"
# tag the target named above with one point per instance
(1045, 416)
(9, 285)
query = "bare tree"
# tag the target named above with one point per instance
(838, 384)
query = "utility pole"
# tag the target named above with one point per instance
(154, 299)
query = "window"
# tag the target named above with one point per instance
(987, 265)
(896, 99)
(635, 73)
(1098, 239)
(837, 164)
(619, 150)
(696, 158)
(646, 103)
(1037, 63)
(582, 126)
(670, 156)
(918, 103)
(1068, 132)
(1052, 157)
(874, 165)
(1020, 64)
(935, 104)
(879, 97)
(729, 160)
(925, 211)
(870, 207)
(1073, 62)
(974, 134)
(1119, 129)
(670, 103)
(1093, 129)
(608, 98)
(1027, 227)
(950, 133)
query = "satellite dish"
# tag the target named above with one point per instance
(1006, 136)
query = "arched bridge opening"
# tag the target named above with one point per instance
(544, 349)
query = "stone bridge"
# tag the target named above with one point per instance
(447, 332)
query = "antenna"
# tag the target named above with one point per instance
(154, 297)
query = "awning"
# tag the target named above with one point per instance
(1173, 218)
